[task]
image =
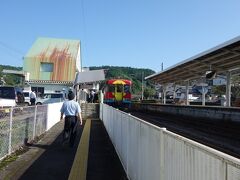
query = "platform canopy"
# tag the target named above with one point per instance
(222, 58)
(89, 77)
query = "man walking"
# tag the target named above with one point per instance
(32, 98)
(72, 111)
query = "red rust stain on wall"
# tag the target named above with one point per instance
(63, 63)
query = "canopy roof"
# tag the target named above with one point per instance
(222, 58)
(90, 76)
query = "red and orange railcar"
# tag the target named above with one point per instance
(117, 93)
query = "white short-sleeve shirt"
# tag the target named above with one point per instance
(70, 108)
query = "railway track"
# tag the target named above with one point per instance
(223, 136)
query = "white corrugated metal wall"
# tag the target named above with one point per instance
(150, 152)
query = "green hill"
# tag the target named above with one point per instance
(137, 76)
(10, 79)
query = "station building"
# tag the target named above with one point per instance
(52, 64)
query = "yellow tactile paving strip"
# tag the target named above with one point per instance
(79, 167)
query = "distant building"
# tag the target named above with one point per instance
(52, 64)
(87, 81)
(219, 81)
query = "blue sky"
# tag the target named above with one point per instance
(133, 33)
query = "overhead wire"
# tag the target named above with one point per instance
(10, 48)
(11, 51)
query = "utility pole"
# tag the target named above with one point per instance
(142, 84)
(80, 51)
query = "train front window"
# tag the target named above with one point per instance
(119, 88)
(111, 88)
(126, 88)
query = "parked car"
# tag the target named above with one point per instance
(50, 98)
(8, 96)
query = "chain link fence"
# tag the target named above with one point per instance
(20, 125)
(235, 95)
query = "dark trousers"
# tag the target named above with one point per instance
(32, 100)
(70, 129)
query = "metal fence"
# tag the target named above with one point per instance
(20, 125)
(149, 152)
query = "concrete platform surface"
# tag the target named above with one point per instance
(103, 162)
(49, 159)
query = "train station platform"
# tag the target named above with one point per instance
(93, 157)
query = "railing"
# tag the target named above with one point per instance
(20, 125)
(149, 152)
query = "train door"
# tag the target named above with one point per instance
(119, 92)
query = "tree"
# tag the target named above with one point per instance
(133, 74)
(149, 92)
